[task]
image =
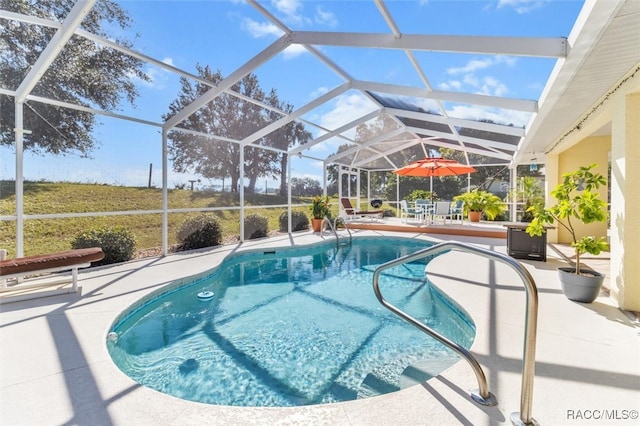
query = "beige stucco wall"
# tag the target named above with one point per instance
(621, 112)
(593, 150)
(625, 200)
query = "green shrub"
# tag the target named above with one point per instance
(421, 194)
(299, 221)
(199, 232)
(502, 217)
(388, 212)
(117, 243)
(255, 226)
(482, 201)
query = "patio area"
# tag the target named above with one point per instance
(55, 367)
(451, 228)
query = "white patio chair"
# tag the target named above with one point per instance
(442, 210)
(407, 211)
(457, 211)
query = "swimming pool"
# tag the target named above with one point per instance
(291, 327)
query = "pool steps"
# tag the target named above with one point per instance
(481, 395)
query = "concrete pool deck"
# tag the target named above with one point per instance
(55, 368)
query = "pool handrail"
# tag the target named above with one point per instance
(482, 394)
(334, 227)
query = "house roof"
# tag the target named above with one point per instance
(604, 52)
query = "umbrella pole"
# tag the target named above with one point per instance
(431, 188)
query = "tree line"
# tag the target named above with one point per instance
(88, 74)
(232, 117)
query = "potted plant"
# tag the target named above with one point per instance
(319, 209)
(576, 201)
(478, 202)
(530, 194)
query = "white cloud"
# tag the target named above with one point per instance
(451, 84)
(522, 6)
(426, 104)
(509, 60)
(471, 80)
(470, 76)
(260, 29)
(345, 109)
(481, 64)
(288, 7)
(325, 17)
(491, 86)
(291, 9)
(517, 118)
(316, 165)
(291, 13)
(158, 76)
(293, 51)
(472, 66)
(318, 92)
(264, 29)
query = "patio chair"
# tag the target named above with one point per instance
(442, 210)
(406, 211)
(457, 211)
(350, 213)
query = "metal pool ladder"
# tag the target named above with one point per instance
(482, 394)
(333, 226)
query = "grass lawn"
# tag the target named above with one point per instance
(49, 235)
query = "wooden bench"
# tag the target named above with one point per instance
(22, 267)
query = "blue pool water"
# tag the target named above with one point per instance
(291, 327)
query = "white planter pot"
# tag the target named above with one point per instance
(580, 288)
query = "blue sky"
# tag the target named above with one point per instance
(227, 34)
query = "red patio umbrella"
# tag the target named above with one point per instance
(434, 167)
(430, 167)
